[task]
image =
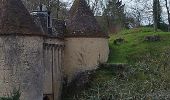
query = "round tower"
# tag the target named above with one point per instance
(21, 52)
(86, 45)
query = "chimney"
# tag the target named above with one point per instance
(41, 7)
(49, 22)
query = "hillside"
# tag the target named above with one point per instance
(134, 44)
(145, 75)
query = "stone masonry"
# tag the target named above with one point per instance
(38, 52)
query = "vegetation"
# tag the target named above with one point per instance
(148, 79)
(113, 15)
(134, 44)
(145, 78)
(15, 96)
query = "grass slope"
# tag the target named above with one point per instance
(135, 45)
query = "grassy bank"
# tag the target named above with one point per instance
(135, 46)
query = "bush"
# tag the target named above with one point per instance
(15, 96)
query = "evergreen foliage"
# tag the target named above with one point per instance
(15, 96)
(114, 13)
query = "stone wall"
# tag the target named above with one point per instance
(84, 54)
(36, 64)
(21, 66)
(53, 59)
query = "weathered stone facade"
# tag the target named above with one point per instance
(53, 62)
(83, 54)
(21, 66)
(36, 57)
(86, 45)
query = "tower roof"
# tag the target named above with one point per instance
(82, 22)
(15, 19)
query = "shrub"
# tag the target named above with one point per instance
(15, 96)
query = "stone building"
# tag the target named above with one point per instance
(86, 45)
(36, 51)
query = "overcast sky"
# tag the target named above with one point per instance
(72, 0)
(131, 3)
(124, 1)
(127, 2)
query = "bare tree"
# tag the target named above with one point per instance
(141, 11)
(97, 6)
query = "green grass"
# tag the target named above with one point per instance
(135, 45)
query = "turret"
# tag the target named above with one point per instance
(86, 45)
(21, 48)
(82, 23)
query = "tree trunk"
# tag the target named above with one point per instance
(168, 12)
(58, 8)
(156, 14)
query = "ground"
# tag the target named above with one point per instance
(145, 74)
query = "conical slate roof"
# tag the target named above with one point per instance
(15, 19)
(81, 21)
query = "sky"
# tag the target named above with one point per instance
(72, 0)
(124, 1)
(131, 4)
